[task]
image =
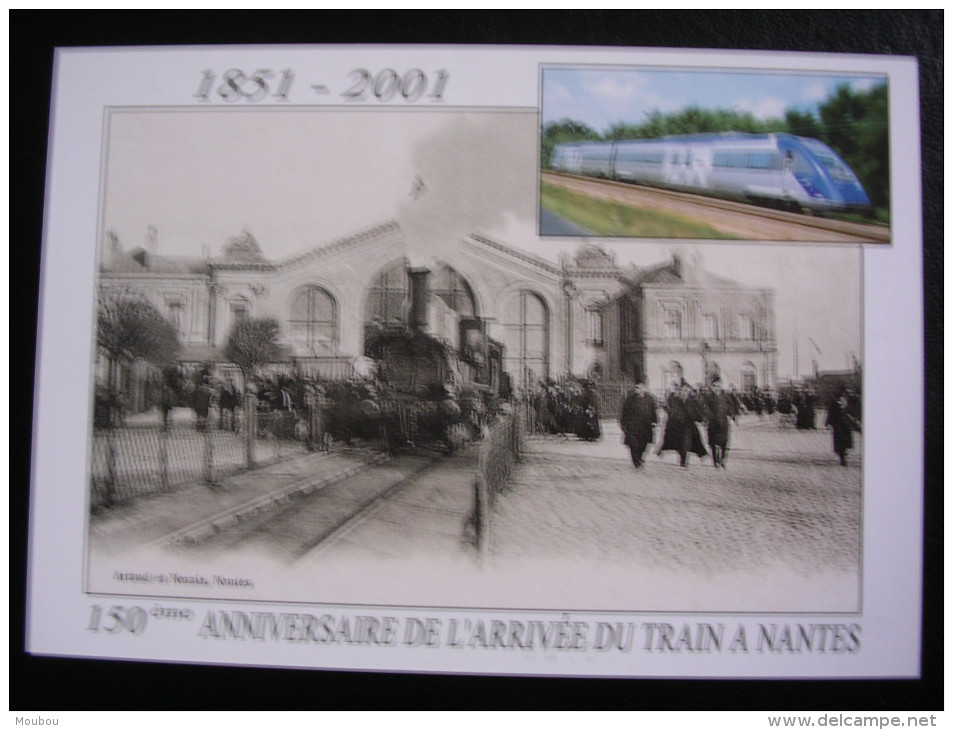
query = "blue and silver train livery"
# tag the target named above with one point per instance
(781, 169)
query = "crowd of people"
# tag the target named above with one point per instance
(571, 407)
(716, 408)
(568, 406)
(316, 411)
(686, 407)
(310, 410)
(217, 401)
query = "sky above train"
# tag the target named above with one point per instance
(299, 179)
(601, 98)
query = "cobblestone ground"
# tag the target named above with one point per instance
(784, 500)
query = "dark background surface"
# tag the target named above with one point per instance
(44, 683)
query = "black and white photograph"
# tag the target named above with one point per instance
(439, 401)
(350, 388)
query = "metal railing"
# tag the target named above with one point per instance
(612, 396)
(499, 453)
(136, 461)
(332, 367)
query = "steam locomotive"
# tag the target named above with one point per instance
(438, 378)
(797, 173)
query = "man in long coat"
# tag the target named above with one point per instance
(718, 411)
(638, 419)
(843, 425)
(201, 402)
(804, 402)
(681, 433)
(586, 425)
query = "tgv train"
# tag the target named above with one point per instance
(795, 172)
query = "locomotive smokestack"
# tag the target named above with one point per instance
(419, 294)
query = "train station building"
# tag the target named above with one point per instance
(582, 314)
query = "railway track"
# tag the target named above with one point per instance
(291, 527)
(745, 220)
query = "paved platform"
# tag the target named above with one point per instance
(783, 499)
(427, 515)
(188, 511)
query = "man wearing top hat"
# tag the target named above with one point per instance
(681, 433)
(718, 409)
(842, 425)
(638, 419)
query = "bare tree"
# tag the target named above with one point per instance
(253, 343)
(128, 328)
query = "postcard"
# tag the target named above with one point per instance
(528, 361)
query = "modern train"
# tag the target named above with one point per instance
(777, 169)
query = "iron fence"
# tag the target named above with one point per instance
(611, 398)
(137, 461)
(499, 452)
(324, 368)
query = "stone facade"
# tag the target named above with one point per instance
(677, 321)
(583, 314)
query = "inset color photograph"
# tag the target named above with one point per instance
(646, 153)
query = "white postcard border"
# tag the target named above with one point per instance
(58, 611)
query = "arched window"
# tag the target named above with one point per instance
(744, 326)
(313, 317)
(173, 308)
(594, 326)
(526, 336)
(672, 375)
(749, 377)
(672, 323)
(238, 310)
(454, 290)
(388, 293)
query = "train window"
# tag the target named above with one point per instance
(737, 159)
(720, 159)
(802, 166)
(761, 160)
(312, 317)
(837, 170)
(828, 159)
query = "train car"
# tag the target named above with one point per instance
(778, 169)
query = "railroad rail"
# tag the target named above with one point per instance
(867, 233)
(203, 529)
(308, 515)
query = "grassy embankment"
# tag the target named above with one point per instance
(606, 218)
